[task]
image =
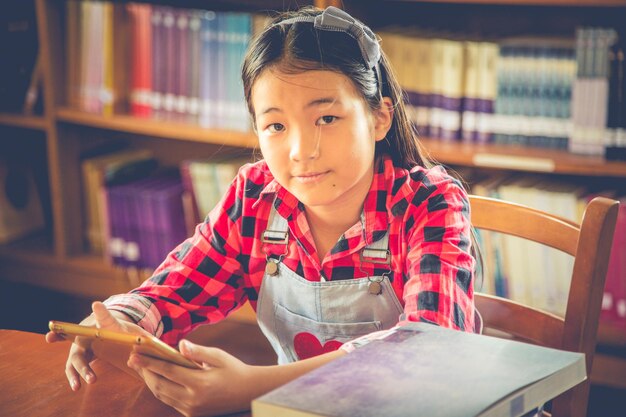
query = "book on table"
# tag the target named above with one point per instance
(425, 370)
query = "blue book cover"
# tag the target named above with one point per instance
(243, 24)
(222, 64)
(208, 68)
(425, 370)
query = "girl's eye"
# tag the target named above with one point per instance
(275, 128)
(325, 120)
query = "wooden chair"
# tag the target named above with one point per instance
(590, 244)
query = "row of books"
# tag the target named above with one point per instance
(178, 64)
(537, 275)
(136, 211)
(532, 105)
(522, 91)
(597, 69)
(145, 220)
(183, 65)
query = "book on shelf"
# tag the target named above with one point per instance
(615, 135)
(424, 370)
(532, 103)
(145, 220)
(194, 51)
(487, 68)
(179, 64)
(590, 95)
(207, 115)
(206, 181)
(143, 59)
(95, 172)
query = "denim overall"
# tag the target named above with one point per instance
(301, 318)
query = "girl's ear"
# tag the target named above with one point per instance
(383, 118)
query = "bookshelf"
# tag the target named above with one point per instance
(63, 133)
(519, 158)
(157, 128)
(26, 122)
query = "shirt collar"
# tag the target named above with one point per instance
(387, 197)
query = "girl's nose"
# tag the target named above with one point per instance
(305, 145)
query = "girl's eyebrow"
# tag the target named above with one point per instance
(312, 103)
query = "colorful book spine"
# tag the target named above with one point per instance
(615, 136)
(158, 68)
(170, 61)
(194, 50)
(590, 97)
(181, 31)
(73, 48)
(141, 59)
(242, 34)
(208, 79)
(223, 68)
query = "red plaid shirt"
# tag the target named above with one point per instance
(221, 266)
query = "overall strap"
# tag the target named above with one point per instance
(378, 251)
(277, 232)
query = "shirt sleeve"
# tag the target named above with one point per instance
(200, 281)
(440, 268)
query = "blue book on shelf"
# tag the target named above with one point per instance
(223, 68)
(208, 68)
(425, 370)
(242, 27)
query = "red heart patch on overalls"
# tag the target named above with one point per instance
(308, 346)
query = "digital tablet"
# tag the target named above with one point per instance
(148, 345)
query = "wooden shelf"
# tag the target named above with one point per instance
(32, 262)
(574, 3)
(37, 248)
(27, 122)
(521, 158)
(156, 128)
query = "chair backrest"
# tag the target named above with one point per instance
(590, 245)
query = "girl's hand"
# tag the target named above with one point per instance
(224, 385)
(81, 354)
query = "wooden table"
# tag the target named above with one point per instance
(33, 382)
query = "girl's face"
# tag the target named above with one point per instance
(317, 135)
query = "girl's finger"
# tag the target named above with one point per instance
(72, 376)
(175, 375)
(77, 362)
(155, 382)
(104, 318)
(213, 357)
(52, 337)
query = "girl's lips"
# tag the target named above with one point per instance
(310, 177)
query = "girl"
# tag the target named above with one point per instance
(341, 231)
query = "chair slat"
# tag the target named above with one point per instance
(525, 222)
(522, 322)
